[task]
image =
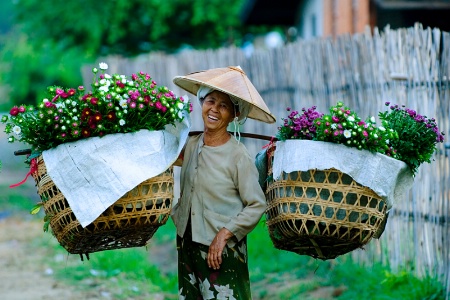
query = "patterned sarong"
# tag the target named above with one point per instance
(197, 281)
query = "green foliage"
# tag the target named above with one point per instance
(29, 66)
(131, 27)
(377, 282)
(417, 135)
(50, 41)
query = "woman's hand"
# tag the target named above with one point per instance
(216, 248)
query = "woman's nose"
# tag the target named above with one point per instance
(216, 107)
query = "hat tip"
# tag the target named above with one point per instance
(237, 68)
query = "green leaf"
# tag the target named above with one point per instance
(35, 209)
(46, 224)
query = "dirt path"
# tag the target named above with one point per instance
(23, 276)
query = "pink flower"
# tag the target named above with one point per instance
(94, 101)
(70, 92)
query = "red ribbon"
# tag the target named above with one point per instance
(33, 169)
(270, 143)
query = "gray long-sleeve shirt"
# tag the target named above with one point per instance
(219, 188)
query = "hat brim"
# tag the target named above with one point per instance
(232, 81)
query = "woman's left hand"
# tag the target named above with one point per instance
(216, 248)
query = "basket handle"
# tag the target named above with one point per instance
(244, 134)
(22, 152)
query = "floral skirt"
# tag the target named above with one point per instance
(197, 281)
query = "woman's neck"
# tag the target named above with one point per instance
(214, 139)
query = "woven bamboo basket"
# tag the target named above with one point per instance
(130, 222)
(322, 214)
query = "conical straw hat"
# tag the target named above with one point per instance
(232, 81)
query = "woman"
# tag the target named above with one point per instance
(221, 200)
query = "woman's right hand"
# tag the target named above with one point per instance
(215, 251)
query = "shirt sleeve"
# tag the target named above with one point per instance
(252, 196)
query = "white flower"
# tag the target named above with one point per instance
(351, 119)
(121, 122)
(45, 100)
(103, 66)
(225, 293)
(107, 76)
(180, 296)
(333, 126)
(387, 142)
(347, 133)
(17, 130)
(104, 88)
(123, 103)
(372, 119)
(243, 250)
(74, 103)
(382, 128)
(75, 118)
(180, 105)
(193, 279)
(205, 291)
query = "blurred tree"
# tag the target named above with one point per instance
(51, 40)
(130, 27)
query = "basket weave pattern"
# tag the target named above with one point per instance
(130, 222)
(322, 214)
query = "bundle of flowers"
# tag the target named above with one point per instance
(116, 104)
(403, 134)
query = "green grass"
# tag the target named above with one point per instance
(136, 273)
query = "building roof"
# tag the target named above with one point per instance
(268, 12)
(412, 4)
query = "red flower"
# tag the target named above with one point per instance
(71, 92)
(97, 117)
(94, 119)
(111, 116)
(85, 132)
(14, 111)
(86, 113)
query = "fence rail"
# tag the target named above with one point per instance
(409, 66)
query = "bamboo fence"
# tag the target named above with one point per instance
(409, 66)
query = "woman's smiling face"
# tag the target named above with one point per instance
(217, 111)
